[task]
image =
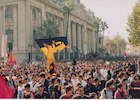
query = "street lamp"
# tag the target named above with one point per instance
(30, 53)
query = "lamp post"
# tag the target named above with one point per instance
(30, 53)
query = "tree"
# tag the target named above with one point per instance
(68, 7)
(134, 26)
(115, 45)
(103, 27)
(97, 26)
(49, 28)
(120, 43)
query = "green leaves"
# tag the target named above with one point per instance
(49, 28)
(134, 26)
(100, 25)
(117, 44)
(68, 7)
(103, 26)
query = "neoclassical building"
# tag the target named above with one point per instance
(20, 19)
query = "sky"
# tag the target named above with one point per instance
(114, 12)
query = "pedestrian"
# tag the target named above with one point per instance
(27, 93)
(41, 93)
(68, 94)
(120, 94)
(107, 92)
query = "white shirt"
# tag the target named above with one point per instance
(34, 87)
(95, 74)
(138, 72)
(20, 91)
(75, 82)
(83, 83)
(130, 79)
(104, 74)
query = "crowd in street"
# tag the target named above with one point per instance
(87, 79)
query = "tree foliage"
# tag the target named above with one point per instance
(68, 7)
(134, 26)
(115, 45)
(49, 28)
(100, 25)
(97, 24)
(103, 26)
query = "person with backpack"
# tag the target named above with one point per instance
(107, 92)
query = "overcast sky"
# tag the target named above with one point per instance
(114, 12)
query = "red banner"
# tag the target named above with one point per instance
(5, 91)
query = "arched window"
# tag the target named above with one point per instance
(34, 14)
(8, 12)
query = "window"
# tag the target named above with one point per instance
(34, 14)
(9, 34)
(10, 46)
(9, 12)
(34, 37)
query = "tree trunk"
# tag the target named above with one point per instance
(103, 44)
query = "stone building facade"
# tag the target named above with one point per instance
(19, 20)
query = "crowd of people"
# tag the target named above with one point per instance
(95, 79)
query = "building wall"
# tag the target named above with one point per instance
(28, 16)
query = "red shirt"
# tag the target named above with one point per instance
(120, 95)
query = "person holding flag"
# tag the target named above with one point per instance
(11, 61)
(5, 91)
(51, 46)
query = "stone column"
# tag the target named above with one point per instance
(64, 34)
(69, 37)
(97, 41)
(74, 34)
(43, 14)
(21, 25)
(85, 39)
(79, 38)
(3, 19)
(15, 34)
(1, 22)
(61, 27)
(74, 38)
(91, 41)
(82, 38)
(88, 39)
(94, 37)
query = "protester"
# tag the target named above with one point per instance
(89, 87)
(20, 90)
(107, 93)
(81, 93)
(90, 78)
(27, 93)
(68, 94)
(135, 87)
(41, 94)
(120, 94)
